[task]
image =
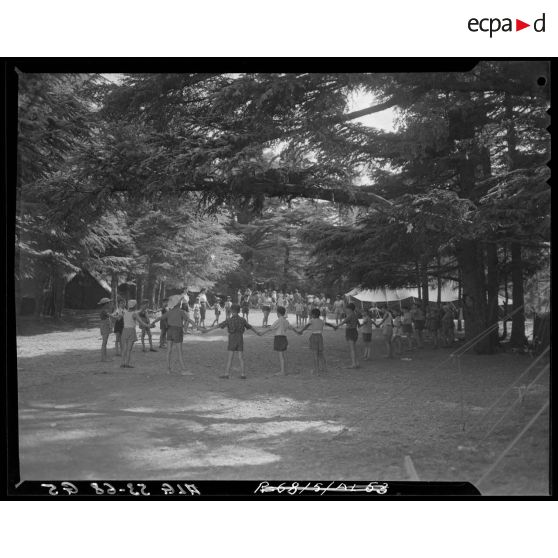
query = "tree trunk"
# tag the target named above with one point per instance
(59, 291)
(424, 281)
(154, 294)
(114, 289)
(506, 309)
(517, 338)
(439, 277)
(460, 298)
(470, 258)
(492, 285)
(139, 289)
(39, 289)
(418, 276)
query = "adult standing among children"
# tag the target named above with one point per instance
(176, 318)
(129, 337)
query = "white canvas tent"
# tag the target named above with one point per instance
(449, 294)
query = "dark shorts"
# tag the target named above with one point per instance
(118, 326)
(175, 334)
(129, 335)
(280, 343)
(266, 308)
(202, 312)
(367, 337)
(434, 325)
(317, 342)
(407, 328)
(246, 310)
(351, 334)
(419, 325)
(236, 342)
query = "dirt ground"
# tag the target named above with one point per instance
(80, 418)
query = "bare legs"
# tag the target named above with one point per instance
(389, 345)
(104, 347)
(319, 363)
(180, 358)
(283, 362)
(229, 364)
(352, 350)
(147, 332)
(127, 347)
(118, 344)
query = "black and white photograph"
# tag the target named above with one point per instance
(284, 275)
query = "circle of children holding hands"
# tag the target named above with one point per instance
(399, 327)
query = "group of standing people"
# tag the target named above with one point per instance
(402, 329)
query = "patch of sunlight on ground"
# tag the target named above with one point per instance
(200, 456)
(273, 428)
(30, 414)
(258, 407)
(53, 406)
(41, 437)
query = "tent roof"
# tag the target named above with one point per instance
(449, 294)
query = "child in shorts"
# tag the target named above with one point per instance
(448, 327)
(303, 313)
(397, 332)
(131, 318)
(299, 307)
(407, 326)
(245, 306)
(197, 311)
(105, 326)
(235, 326)
(366, 330)
(316, 326)
(218, 308)
(386, 325)
(163, 324)
(228, 304)
(118, 316)
(143, 314)
(280, 343)
(351, 332)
